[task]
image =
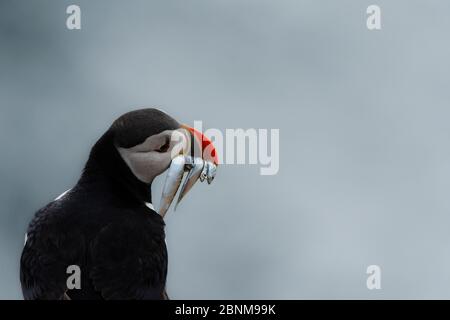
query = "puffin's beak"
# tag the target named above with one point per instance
(199, 159)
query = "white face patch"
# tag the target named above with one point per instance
(152, 157)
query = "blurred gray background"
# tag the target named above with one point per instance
(363, 117)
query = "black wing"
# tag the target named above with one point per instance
(129, 259)
(45, 258)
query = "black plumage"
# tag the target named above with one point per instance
(101, 225)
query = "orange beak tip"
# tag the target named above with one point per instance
(208, 150)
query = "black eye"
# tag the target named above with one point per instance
(165, 146)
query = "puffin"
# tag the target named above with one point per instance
(106, 226)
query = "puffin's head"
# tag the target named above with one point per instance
(150, 141)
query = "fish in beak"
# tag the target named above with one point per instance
(196, 158)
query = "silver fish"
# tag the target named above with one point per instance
(172, 183)
(196, 166)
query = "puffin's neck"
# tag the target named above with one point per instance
(105, 169)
